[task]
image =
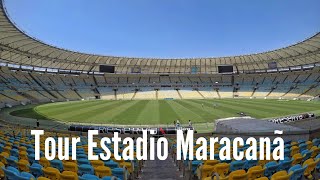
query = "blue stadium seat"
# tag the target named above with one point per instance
(298, 171)
(36, 170)
(57, 164)
(11, 173)
(12, 161)
(88, 177)
(285, 164)
(85, 169)
(236, 165)
(271, 168)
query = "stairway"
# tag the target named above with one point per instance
(254, 90)
(78, 94)
(218, 93)
(134, 95)
(305, 92)
(201, 94)
(272, 89)
(179, 94)
(115, 95)
(157, 94)
(157, 169)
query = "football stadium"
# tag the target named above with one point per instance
(271, 94)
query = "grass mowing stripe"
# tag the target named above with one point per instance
(195, 109)
(229, 105)
(58, 110)
(167, 114)
(184, 113)
(94, 112)
(219, 113)
(286, 109)
(276, 103)
(260, 107)
(149, 113)
(65, 114)
(108, 116)
(132, 113)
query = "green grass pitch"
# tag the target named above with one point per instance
(152, 112)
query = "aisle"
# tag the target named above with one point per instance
(157, 169)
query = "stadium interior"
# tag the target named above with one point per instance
(33, 72)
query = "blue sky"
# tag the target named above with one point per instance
(167, 28)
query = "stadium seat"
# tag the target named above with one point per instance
(1, 171)
(281, 175)
(111, 164)
(294, 150)
(97, 163)
(44, 162)
(25, 176)
(297, 159)
(311, 165)
(57, 164)
(119, 173)
(89, 177)
(206, 171)
(12, 161)
(270, 168)
(23, 165)
(315, 151)
(297, 172)
(36, 170)
(3, 157)
(68, 175)
(83, 161)
(222, 169)
(238, 175)
(70, 166)
(255, 172)
(51, 173)
(102, 171)
(237, 165)
(85, 169)
(11, 173)
(285, 164)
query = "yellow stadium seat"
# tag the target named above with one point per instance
(22, 148)
(43, 178)
(294, 150)
(238, 175)
(211, 162)
(309, 144)
(281, 175)
(1, 171)
(23, 165)
(255, 172)
(3, 157)
(68, 175)
(262, 178)
(315, 151)
(51, 173)
(44, 162)
(97, 163)
(23, 155)
(222, 169)
(311, 165)
(297, 159)
(205, 171)
(102, 171)
(70, 166)
(7, 149)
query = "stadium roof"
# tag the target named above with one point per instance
(19, 48)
